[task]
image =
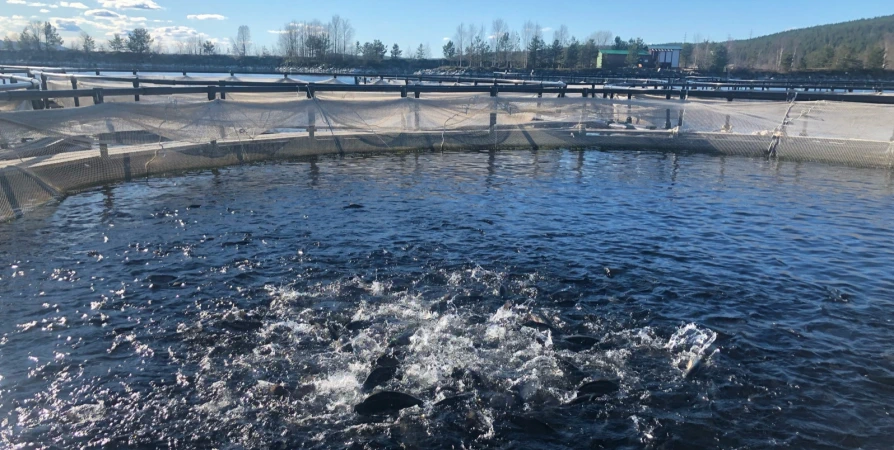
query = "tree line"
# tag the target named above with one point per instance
(866, 44)
(44, 37)
(857, 45)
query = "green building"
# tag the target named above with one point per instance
(615, 59)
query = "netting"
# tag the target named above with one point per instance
(48, 153)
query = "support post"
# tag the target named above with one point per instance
(43, 82)
(403, 92)
(97, 96)
(311, 123)
(97, 72)
(493, 122)
(134, 72)
(416, 124)
(493, 90)
(136, 85)
(211, 93)
(223, 93)
(667, 120)
(416, 92)
(74, 85)
(103, 151)
(680, 120)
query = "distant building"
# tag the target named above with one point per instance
(615, 59)
(666, 56)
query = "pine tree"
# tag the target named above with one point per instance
(139, 41)
(116, 43)
(719, 58)
(51, 38)
(449, 50)
(875, 58)
(572, 53)
(535, 48)
(87, 42)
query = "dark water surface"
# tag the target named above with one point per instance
(245, 308)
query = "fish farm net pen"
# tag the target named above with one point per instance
(104, 132)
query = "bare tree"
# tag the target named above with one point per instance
(35, 30)
(602, 37)
(561, 35)
(335, 33)
(347, 36)
(290, 41)
(242, 42)
(529, 31)
(159, 47)
(499, 37)
(460, 39)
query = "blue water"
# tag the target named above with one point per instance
(245, 307)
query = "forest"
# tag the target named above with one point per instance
(860, 45)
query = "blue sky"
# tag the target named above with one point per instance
(409, 23)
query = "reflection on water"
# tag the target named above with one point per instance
(546, 299)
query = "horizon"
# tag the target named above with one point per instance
(169, 22)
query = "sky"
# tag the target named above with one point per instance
(410, 23)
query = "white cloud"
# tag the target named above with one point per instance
(276, 31)
(546, 29)
(206, 17)
(69, 25)
(171, 35)
(104, 14)
(77, 5)
(445, 39)
(129, 4)
(33, 4)
(44, 10)
(12, 24)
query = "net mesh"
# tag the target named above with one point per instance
(48, 153)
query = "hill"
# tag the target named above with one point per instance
(858, 44)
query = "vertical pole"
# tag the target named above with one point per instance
(97, 72)
(311, 122)
(43, 82)
(74, 85)
(667, 120)
(493, 122)
(680, 120)
(103, 150)
(416, 123)
(223, 93)
(97, 96)
(136, 85)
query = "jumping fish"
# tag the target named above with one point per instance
(379, 376)
(386, 402)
